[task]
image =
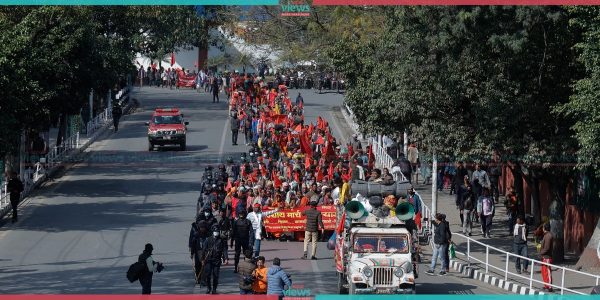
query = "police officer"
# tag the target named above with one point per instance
(242, 231)
(212, 253)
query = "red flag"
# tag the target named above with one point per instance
(319, 174)
(320, 140)
(330, 171)
(307, 161)
(310, 130)
(298, 128)
(276, 180)
(350, 150)
(229, 186)
(304, 145)
(297, 176)
(340, 227)
(254, 176)
(172, 58)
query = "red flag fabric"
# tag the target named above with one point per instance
(319, 174)
(340, 227)
(307, 161)
(276, 180)
(320, 140)
(172, 58)
(310, 129)
(229, 186)
(350, 150)
(330, 171)
(304, 145)
(348, 176)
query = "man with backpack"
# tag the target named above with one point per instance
(246, 270)
(151, 266)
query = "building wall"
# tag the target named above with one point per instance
(578, 225)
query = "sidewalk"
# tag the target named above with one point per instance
(501, 239)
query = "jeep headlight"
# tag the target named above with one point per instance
(367, 271)
(179, 131)
(399, 272)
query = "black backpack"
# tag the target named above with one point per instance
(135, 271)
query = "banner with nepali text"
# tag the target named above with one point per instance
(292, 220)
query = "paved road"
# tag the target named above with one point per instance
(81, 232)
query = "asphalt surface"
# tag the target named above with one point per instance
(80, 233)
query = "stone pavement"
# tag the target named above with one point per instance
(501, 239)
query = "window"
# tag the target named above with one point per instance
(381, 244)
(167, 120)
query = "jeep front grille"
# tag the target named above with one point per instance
(383, 276)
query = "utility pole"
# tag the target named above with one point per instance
(91, 104)
(405, 143)
(434, 186)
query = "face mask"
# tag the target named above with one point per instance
(207, 214)
(216, 234)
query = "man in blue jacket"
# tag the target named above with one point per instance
(277, 279)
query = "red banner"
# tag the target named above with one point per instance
(186, 80)
(292, 220)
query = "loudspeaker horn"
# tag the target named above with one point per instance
(405, 211)
(355, 210)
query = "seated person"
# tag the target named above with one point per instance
(375, 176)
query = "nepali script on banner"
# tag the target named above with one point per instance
(292, 220)
(186, 81)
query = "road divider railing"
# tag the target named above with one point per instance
(59, 154)
(503, 264)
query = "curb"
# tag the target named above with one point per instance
(492, 280)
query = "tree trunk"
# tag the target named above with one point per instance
(535, 201)
(518, 186)
(558, 188)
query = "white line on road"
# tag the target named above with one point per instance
(223, 137)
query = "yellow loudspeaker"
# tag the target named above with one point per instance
(355, 210)
(405, 211)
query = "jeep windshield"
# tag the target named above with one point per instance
(159, 120)
(381, 243)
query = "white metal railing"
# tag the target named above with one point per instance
(504, 269)
(384, 160)
(59, 154)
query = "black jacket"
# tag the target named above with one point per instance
(314, 219)
(459, 177)
(15, 188)
(213, 249)
(441, 233)
(235, 124)
(242, 230)
(245, 268)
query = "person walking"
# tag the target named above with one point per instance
(486, 209)
(441, 240)
(259, 287)
(246, 271)
(277, 279)
(151, 267)
(212, 253)
(242, 231)
(520, 244)
(117, 112)
(546, 254)
(494, 175)
(314, 220)
(215, 90)
(15, 188)
(468, 203)
(235, 129)
(256, 217)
